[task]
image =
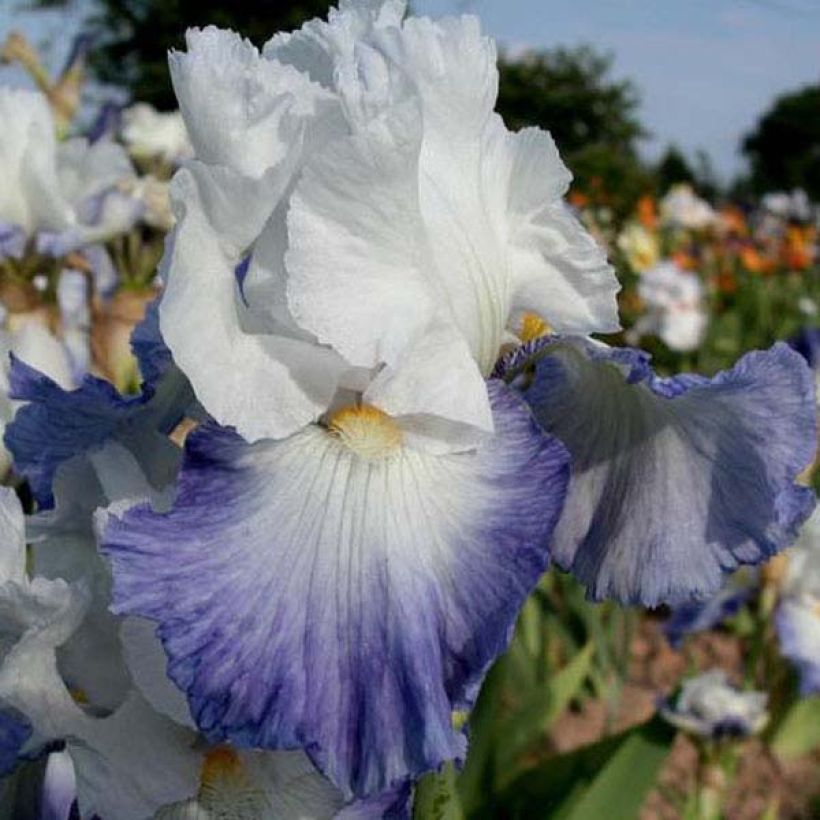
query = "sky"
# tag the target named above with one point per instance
(705, 69)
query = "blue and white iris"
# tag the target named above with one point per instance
(797, 618)
(371, 494)
(710, 707)
(61, 196)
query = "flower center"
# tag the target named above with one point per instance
(532, 327)
(226, 786)
(366, 430)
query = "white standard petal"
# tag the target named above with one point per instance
(263, 385)
(358, 260)
(436, 393)
(452, 68)
(241, 110)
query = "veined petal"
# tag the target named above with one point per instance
(247, 785)
(675, 481)
(291, 610)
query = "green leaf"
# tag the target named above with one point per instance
(799, 731)
(610, 778)
(534, 719)
(437, 796)
(473, 782)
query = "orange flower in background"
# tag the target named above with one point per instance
(725, 282)
(647, 211)
(754, 261)
(733, 221)
(578, 199)
(798, 247)
(684, 260)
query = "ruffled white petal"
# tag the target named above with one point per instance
(241, 110)
(262, 384)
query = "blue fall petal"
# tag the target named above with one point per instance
(13, 241)
(396, 804)
(57, 424)
(310, 597)
(807, 344)
(15, 732)
(149, 348)
(674, 481)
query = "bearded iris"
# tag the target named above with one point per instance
(372, 497)
(62, 195)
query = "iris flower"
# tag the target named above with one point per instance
(371, 494)
(61, 194)
(797, 617)
(710, 707)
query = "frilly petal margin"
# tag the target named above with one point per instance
(309, 597)
(674, 481)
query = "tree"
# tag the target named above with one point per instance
(673, 168)
(593, 118)
(784, 148)
(133, 37)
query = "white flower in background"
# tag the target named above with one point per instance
(793, 205)
(798, 613)
(150, 133)
(709, 706)
(807, 306)
(63, 193)
(154, 195)
(683, 208)
(640, 246)
(674, 302)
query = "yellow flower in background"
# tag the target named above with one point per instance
(640, 246)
